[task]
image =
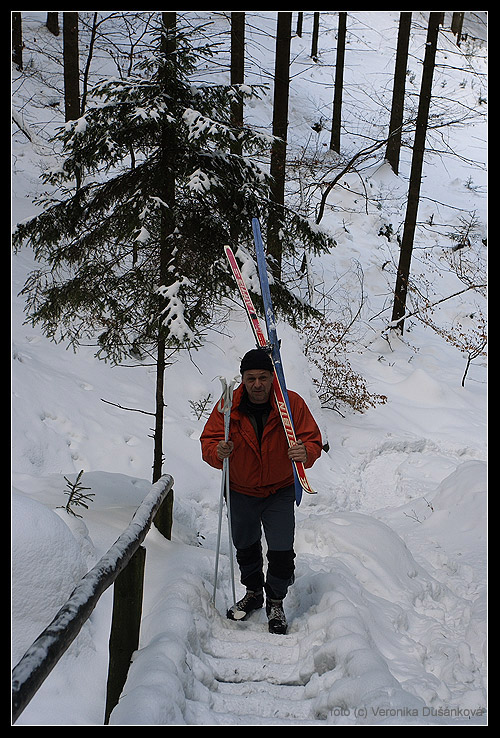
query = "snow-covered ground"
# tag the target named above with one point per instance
(388, 611)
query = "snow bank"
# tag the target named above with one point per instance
(459, 506)
(47, 562)
(377, 602)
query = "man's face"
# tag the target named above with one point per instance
(258, 383)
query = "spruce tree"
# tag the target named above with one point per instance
(133, 254)
(99, 245)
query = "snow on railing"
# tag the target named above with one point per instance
(42, 656)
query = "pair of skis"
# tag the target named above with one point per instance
(270, 344)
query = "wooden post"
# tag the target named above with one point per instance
(125, 626)
(164, 517)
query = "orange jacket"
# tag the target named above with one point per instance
(260, 471)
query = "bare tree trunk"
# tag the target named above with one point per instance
(398, 93)
(403, 273)
(315, 36)
(280, 127)
(457, 21)
(17, 40)
(300, 23)
(339, 83)
(168, 197)
(71, 66)
(86, 71)
(52, 23)
(237, 72)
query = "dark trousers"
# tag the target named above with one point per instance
(276, 516)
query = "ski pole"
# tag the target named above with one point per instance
(228, 503)
(225, 404)
(221, 502)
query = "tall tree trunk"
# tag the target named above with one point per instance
(86, 71)
(457, 22)
(300, 23)
(398, 93)
(315, 36)
(17, 40)
(168, 197)
(52, 23)
(237, 72)
(237, 78)
(403, 274)
(280, 127)
(339, 84)
(71, 66)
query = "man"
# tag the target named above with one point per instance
(261, 483)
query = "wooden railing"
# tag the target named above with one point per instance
(122, 565)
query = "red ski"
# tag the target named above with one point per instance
(278, 391)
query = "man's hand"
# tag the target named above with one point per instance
(298, 452)
(224, 449)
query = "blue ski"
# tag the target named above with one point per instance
(273, 336)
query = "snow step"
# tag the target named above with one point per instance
(241, 669)
(254, 655)
(273, 648)
(227, 718)
(257, 703)
(253, 714)
(256, 677)
(259, 707)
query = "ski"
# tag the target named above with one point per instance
(262, 342)
(266, 297)
(271, 327)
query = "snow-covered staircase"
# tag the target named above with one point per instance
(256, 677)
(369, 642)
(278, 705)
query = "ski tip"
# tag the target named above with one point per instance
(256, 230)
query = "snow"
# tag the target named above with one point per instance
(388, 610)
(173, 313)
(46, 561)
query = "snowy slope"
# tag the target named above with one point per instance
(388, 612)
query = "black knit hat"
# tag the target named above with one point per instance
(256, 359)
